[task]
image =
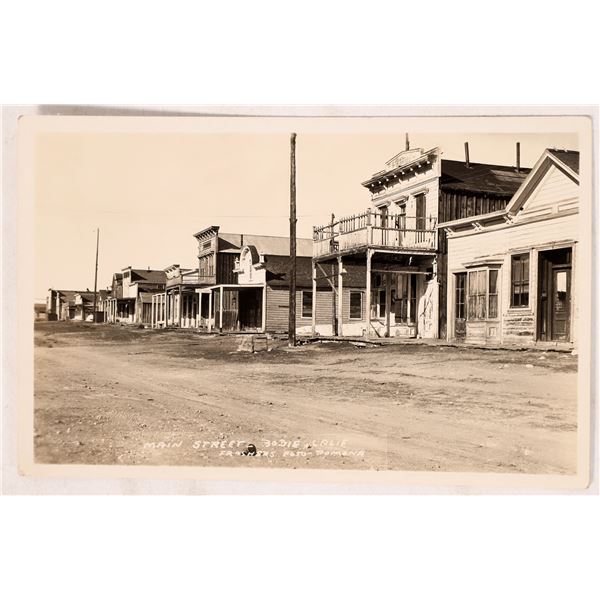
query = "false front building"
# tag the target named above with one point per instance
(130, 299)
(397, 245)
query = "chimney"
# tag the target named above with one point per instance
(518, 157)
(407, 143)
(467, 154)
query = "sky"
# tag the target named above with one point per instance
(148, 193)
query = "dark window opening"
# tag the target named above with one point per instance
(520, 280)
(356, 305)
(307, 298)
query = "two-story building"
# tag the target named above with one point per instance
(130, 299)
(256, 298)
(512, 271)
(397, 243)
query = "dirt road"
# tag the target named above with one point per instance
(116, 395)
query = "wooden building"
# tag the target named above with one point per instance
(397, 243)
(130, 299)
(177, 306)
(258, 299)
(60, 304)
(84, 306)
(512, 271)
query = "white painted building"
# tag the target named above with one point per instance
(511, 273)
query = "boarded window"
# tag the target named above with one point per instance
(520, 280)
(356, 305)
(307, 304)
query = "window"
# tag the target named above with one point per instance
(477, 295)
(307, 304)
(520, 280)
(482, 297)
(460, 295)
(405, 308)
(356, 299)
(493, 294)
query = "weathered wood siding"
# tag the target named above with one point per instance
(547, 220)
(556, 192)
(278, 309)
(457, 205)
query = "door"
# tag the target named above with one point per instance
(561, 303)
(460, 309)
(554, 295)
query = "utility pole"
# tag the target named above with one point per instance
(96, 273)
(292, 316)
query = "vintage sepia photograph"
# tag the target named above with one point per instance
(323, 295)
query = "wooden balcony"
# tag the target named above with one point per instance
(372, 230)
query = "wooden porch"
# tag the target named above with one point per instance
(375, 230)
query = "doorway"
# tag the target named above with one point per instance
(554, 295)
(250, 309)
(460, 306)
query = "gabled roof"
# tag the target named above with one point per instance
(566, 160)
(563, 159)
(569, 158)
(481, 177)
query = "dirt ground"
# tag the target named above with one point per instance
(108, 394)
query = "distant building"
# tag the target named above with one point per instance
(60, 304)
(179, 298)
(39, 311)
(512, 271)
(220, 302)
(130, 296)
(84, 306)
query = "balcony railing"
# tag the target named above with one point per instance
(375, 230)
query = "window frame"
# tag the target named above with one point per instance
(302, 315)
(481, 298)
(522, 282)
(362, 303)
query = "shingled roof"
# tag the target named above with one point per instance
(568, 157)
(500, 180)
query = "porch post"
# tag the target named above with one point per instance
(388, 303)
(368, 296)
(210, 295)
(152, 313)
(221, 310)
(314, 298)
(340, 297)
(179, 306)
(199, 316)
(263, 312)
(166, 309)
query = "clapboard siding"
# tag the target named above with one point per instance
(510, 238)
(539, 226)
(278, 308)
(555, 189)
(346, 305)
